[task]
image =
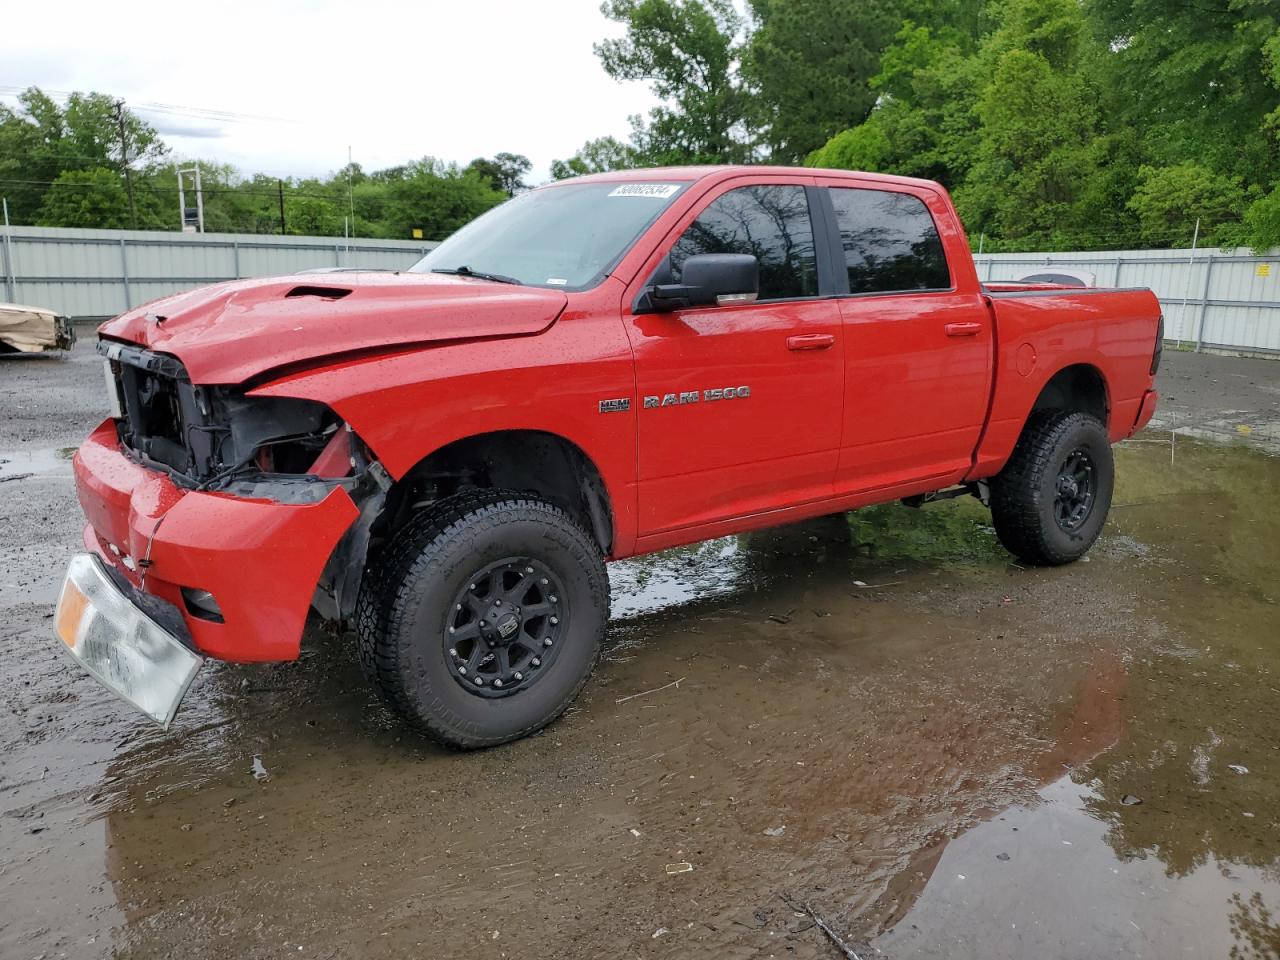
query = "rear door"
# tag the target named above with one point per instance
(740, 406)
(918, 337)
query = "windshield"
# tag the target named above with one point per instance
(565, 236)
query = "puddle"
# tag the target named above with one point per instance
(867, 707)
(1058, 880)
(17, 465)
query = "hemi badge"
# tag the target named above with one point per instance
(615, 406)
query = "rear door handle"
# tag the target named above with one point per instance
(966, 329)
(811, 341)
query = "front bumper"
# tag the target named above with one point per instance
(260, 559)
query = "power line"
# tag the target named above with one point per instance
(165, 191)
(200, 113)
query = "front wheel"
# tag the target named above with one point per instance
(483, 618)
(1049, 503)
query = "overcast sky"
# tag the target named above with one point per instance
(395, 81)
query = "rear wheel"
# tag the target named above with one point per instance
(483, 618)
(1051, 500)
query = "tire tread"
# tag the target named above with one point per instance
(387, 593)
(1017, 511)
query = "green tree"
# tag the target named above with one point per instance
(505, 171)
(1193, 76)
(865, 147)
(437, 198)
(1169, 200)
(86, 198)
(1035, 152)
(41, 140)
(1262, 223)
(689, 52)
(596, 156)
(810, 63)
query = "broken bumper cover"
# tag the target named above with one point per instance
(126, 639)
(259, 559)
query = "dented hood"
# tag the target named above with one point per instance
(230, 332)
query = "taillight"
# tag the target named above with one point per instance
(1155, 356)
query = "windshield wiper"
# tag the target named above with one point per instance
(465, 271)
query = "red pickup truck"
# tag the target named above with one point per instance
(601, 367)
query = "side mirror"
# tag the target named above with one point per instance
(710, 279)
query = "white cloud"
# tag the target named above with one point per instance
(395, 81)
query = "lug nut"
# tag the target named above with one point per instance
(544, 580)
(463, 671)
(535, 662)
(528, 569)
(482, 623)
(546, 642)
(519, 676)
(458, 606)
(479, 682)
(472, 587)
(453, 630)
(555, 620)
(453, 651)
(553, 598)
(497, 683)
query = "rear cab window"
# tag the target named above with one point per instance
(889, 240)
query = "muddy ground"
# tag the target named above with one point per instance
(880, 721)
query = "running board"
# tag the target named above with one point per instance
(979, 489)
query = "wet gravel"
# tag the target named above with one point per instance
(880, 720)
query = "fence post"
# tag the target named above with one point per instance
(10, 282)
(1204, 302)
(1115, 277)
(124, 274)
(337, 255)
(235, 257)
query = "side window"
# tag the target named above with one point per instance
(770, 221)
(890, 242)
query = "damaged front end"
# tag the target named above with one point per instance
(224, 439)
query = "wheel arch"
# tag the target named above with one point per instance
(539, 462)
(1078, 388)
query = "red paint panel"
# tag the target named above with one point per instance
(1113, 331)
(408, 405)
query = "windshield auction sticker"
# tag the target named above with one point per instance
(659, 191)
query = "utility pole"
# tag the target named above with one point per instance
(124, 162)
(351, 195)
(280, 188)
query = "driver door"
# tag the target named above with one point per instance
(740, 405)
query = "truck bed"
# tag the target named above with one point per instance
(1107, 331)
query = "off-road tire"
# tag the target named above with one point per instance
(1023, 494)
(409, 591)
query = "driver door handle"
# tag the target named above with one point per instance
(966, 329)
(811, 341)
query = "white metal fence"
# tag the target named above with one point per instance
(100, 273)
(1218, 300)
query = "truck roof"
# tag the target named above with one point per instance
(727, 171)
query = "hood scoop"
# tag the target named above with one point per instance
(323, 293)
